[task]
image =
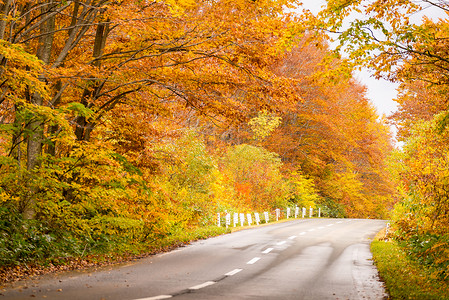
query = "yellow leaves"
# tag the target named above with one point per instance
(178, 7)
(264, 124)
(180, 64)
(21, 71)
(17, 55)
(392, 10)
(426, 174)
(222, 191)
(255, 175)
(303, 190)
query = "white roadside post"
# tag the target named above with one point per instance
(296, 212)
(228, 220)
(278, 213)
(266, 217)
(386, 231)
(236, 219)
(310, 212)
(218, 220)
(256, 216)
(319, 212)
(250, 220)
(242, 219)
(303, 212)
(288, 212)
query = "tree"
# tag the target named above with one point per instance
(334, 134)
(383, 36)
(256, 174)
(417, 102)
(102, 60)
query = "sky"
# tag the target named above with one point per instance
(381, 92)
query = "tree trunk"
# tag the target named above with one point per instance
(36, 126)
(53, 129)
(84, 127)
(3, 13)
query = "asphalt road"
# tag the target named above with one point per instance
(300, 259)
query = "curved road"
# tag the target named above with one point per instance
(299, 259)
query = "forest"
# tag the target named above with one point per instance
(126, 123)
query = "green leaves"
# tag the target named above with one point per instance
(126, 164)
(79, 109)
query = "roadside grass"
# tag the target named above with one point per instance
(180, 238)
(404, 278)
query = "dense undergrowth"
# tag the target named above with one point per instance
(404, 276)
(28, 247)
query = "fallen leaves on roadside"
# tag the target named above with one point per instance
(11, 274)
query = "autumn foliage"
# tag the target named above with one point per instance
(125, 123)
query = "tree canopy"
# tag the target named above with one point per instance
(124, 123)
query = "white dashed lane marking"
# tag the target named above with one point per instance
(302, 233)
(292, 237)
(203, 285)
(253, 261)
(160, 297)
(233, 272)
(280, 243)
(268, 250)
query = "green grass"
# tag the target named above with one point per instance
(405, 279)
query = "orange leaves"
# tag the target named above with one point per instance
(334, 133)
(382, 34)
(244, 193)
